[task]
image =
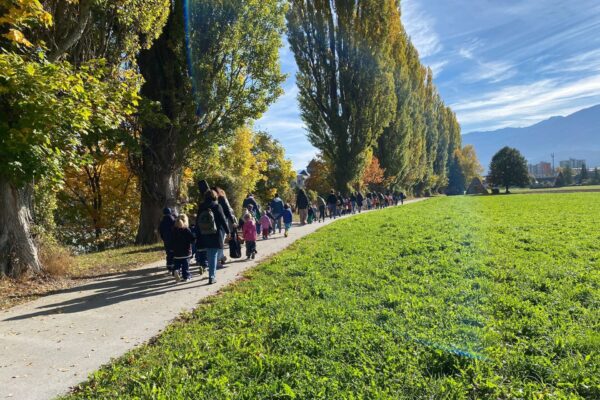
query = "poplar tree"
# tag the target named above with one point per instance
(201, 93)
(345, 78)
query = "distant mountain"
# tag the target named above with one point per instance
(574, 136)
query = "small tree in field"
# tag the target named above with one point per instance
(584, 174)
(560, 180)
(509, 168)
(568, 174)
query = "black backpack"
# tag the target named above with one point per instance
(235, 247)
(207, 225)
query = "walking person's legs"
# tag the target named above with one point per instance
(287, 229)
(221, 257)
(212, 255)
(169, 258)
(178, 265)
(303, 215)
(250, 249)
(185, 269)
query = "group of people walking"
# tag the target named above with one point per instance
(216, 225)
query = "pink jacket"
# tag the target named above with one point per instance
(250, 231)
(265, 222)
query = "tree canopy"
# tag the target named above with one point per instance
(363, 88)
(508, 168)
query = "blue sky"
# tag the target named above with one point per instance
(497, 63)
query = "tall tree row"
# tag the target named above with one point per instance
(363, 87)
(343, 51)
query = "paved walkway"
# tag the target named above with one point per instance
(53, 343)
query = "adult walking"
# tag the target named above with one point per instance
(277, 211)
(302, 204)
(360, 200)
(166, 234)
(332, 204)
(322, 206)
(251, 201)
(211, 222)
(229, 217)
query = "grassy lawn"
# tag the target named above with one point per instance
(565, 189)
(116, 260)
(466, 297)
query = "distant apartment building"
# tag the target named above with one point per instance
(573, 163)
(541, 170)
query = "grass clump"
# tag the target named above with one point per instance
(457, 298)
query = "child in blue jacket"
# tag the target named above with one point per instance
(287, 218)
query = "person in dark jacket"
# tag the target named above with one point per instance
(181, 243)
(332, 204)
(212, 240)
(360, 201)
(229, 217)
(381, 199)
(277, 211)
(166, 230)
(287, 219)
(340, 204)
(302, 204)
(249, 200)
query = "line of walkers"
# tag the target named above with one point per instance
(215, 225)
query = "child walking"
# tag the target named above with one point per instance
(287, 218)
(250, 236)
(265, 225)
(182, 239)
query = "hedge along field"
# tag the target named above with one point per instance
(466, 297)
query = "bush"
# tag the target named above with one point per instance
(56, 259)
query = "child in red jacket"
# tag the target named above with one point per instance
(265, 225)
(250, 236)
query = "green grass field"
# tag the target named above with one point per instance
(565, 189)
(467, 297)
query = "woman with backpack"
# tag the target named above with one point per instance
(212, 229)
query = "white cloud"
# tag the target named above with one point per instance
(494, 72)
(521, 105)
(490, 71)
(584, 62)
(420, 26)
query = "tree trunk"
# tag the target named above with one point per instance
(18, 251)
(164, 69)
(160, 189)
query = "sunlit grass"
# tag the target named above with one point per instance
(466, 297)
